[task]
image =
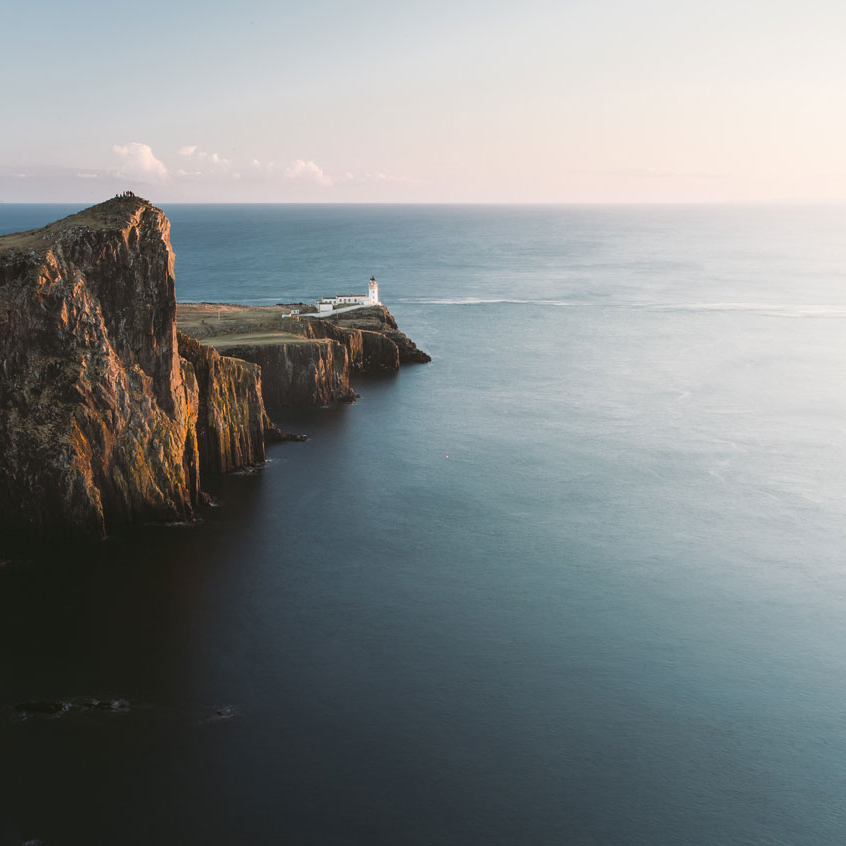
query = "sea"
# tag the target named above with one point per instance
(579, 580)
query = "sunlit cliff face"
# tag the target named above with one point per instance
(100, 412)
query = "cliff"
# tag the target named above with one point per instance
(377, 320)
(369, 351)
(304, 361)
(99, 414)
(231, 421)
(296, 371)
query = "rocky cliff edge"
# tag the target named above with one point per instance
(304, 361)
(98, 410)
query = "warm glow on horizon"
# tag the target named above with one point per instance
(440, 102)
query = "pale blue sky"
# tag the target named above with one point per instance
(437, 102)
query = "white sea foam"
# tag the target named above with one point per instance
(484, 301)
(788, 310)
(792, 310)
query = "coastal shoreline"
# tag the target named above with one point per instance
(116, 402)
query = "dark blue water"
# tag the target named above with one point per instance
(616, 614)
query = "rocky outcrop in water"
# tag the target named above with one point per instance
(99, 414)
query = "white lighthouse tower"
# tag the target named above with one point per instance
(373, 292)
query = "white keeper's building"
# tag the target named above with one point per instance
(326, 304)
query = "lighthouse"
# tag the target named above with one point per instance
(326, 305)
(373, 292)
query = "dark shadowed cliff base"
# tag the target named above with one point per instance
(107, 418)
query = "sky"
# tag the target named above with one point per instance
(463, 101)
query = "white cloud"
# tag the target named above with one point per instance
(203, 167)
(88, 175)
(193, 151)
(214, 158)
(302, 171)
(139, 163)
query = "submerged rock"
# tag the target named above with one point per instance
(227, 712)
(41, 708)
(58, 708)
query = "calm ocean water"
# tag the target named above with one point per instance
(615, 614)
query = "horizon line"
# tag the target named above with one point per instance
(776, 202)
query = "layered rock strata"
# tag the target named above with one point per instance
(369, 351)
(297, 372)
(99, 414)
(378, 320)
(231, 424)
(304, 361)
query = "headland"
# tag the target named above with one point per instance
(115, 403)
(305, 360)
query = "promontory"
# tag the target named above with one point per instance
(110, 417)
